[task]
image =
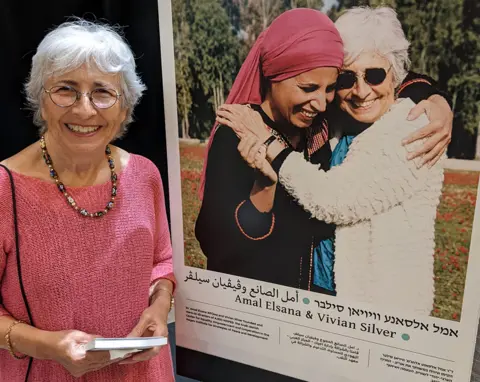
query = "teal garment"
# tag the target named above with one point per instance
(324, 253)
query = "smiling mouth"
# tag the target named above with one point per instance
(82, 129)
(361, 105)
(309, 114)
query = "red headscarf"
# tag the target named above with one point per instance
(296, 42)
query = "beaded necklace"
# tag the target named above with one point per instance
(61, 187)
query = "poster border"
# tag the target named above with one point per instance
(167, 55)
(472, 281)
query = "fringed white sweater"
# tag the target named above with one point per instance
(385, 210)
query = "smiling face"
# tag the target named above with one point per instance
(82, 127)
(299, 99)
(364, 102)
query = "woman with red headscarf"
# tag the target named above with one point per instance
(246, 226)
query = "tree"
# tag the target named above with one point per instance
(445, 44)
(314, 4)
(256, 15)
(214, 58)
(233, 12)
(183, 73)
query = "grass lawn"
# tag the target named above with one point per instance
(453, 229)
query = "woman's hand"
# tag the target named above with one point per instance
(438, 131)
(242, 120)
(152, 323)
(253, 152)
(68, 349)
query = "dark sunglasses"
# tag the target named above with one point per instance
(372, 76)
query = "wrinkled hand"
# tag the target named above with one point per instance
(242, 120)
(152, 323)
(69, 351)
(438, 132)
(253, 152)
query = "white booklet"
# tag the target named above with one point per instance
(133, 343)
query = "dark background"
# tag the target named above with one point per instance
(23, 24)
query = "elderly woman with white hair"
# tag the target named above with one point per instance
(85, 248)
(383, 204)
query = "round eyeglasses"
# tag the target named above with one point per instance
(66, 96)
(372, 76)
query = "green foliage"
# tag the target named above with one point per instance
(445, 44)
(206, 61)
(254, 17)
(213, 37)
(215, 46)
(183, 73)
(314, 4)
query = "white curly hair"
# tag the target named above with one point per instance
(376, 30)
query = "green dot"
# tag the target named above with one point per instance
(306, 301)
(405, 337)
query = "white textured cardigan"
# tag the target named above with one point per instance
(385, 210)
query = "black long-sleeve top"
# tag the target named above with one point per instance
(238, 239)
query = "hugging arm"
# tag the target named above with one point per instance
(374, 177)
(437, 105)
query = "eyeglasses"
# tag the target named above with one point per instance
(66, 96)
(372, 76)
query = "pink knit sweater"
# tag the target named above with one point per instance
(91, 275)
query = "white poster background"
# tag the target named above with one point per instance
(302, 347)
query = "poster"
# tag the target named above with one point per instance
(293, 331)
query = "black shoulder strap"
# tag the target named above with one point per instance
(17, 251)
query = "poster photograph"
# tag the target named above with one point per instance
(323, 155)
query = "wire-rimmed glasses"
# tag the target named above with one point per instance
(66, 96)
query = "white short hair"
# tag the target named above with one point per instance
(79, 42)
(376, 30)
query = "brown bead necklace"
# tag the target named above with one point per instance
(61, 187)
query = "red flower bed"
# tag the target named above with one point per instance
(461, 178)
(194, 151)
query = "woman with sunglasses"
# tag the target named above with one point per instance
(94, 243)
(384, 205)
